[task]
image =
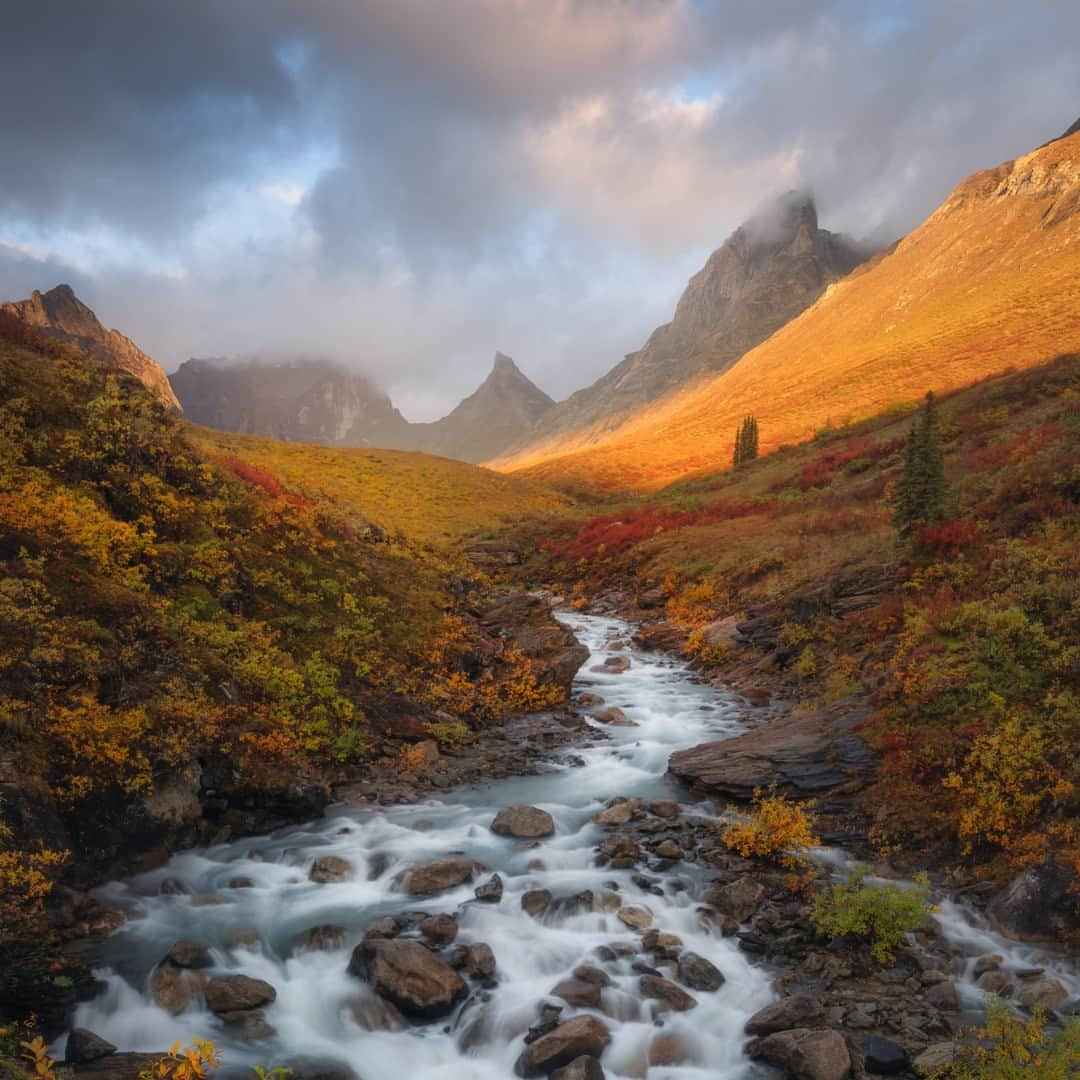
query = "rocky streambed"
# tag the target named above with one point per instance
(579, 923)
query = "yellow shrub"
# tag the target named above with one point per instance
(776, 829)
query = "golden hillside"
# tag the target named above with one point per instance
(990, 281)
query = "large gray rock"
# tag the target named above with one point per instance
(408, 975)
(796, 1011)
(698, 973)
(330, 868)
(523, 822)
(805, 1054)
(580, 1036)
(84, 1046)
(237, 993)
(1043, 993)
(583, 1068)
(424, 879)
(739, 898)
(1039, 904)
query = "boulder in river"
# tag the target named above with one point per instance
(536, 901)
(883, 1057)
(739, 898)
(237, 993)
(943, 996)
(84, 1046)
(1042, 993)
(439, 875)
(189, 954)
(480, 960)
(324, 938)
(796, 1011)
(636, 917)
(580, 1036)
(1039, 904)
(172, 988)
(118, 1066)
(409, 975)
(491, 891)
(613, 717)
(617, 812)
(330, 868)
(805, 1054)
(582, 1068)
(666, 992)
(698, 973)
(585, 995)
(523, 822)
(439, 929)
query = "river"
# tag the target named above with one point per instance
(321, 1012)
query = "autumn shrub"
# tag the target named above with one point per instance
(775, 829)
(452, 735)
(1013, 1047)
(881, 913)
(714, 654)
(191, 1062)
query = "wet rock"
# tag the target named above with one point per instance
(190, 954)
(668, 849)
(409, 975)
(577, 904)
(613, 717)
(243, 937)
(118, 1066)
(1039, 904)
(324, 938)
(84, 1046)
(173, 886)
(439, 875)
(386, 927)
(577, 992)
(173, 988)
(668, 1048)
(241, 881)
(1044, 993)
(988, 962)
(535, 902)
(580, 1036)
(330, 868)
(935, 1058)
(883, 1057)
(319, 1069)
(237, 993)
(663, 990)
(373, 1013)
(796, 1011)
(480, 960)
(523, 822)
(247, 1025)
(590, 974)
(804, 754)
(589, 701)
(613, 665)
(491, 891)
(665, 808)
(698, 973)
(548, 1022)
(617, 812)
(637, 918)
(582, 1068)
(439, 929)
(738, 899)
(994, 982)
(943, 996)
(805, 1054)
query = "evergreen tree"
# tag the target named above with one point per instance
(921, 491)
(746, 441)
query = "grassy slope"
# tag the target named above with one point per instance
(428, 499)
(988, 282)
(973, 637)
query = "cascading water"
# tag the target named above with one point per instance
(321, 1012)
(325, 1015)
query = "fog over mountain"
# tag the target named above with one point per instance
(406, 186)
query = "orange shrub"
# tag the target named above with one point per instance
(776, 829)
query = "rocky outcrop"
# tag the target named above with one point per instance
(60, 314)
(313, 399)
(409, 975)
(803, 755)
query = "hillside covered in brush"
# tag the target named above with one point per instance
(988, 282)
(182, 614)
(951, 653)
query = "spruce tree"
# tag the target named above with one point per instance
(921, 491)
(737, 456)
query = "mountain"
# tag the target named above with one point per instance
(989, 281)
(300, 399)
(769, 270)
(59, 313)
(316, 400)
(505, 406)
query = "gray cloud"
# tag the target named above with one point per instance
(411, 185)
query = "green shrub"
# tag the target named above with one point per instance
(882, 914)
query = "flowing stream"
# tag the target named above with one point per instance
(324, 1014)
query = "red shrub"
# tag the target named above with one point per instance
(21, 333)
(948, 538)
(260, 478)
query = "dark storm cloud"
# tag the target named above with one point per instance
(412, 184)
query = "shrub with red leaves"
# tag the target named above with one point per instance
(947, 539)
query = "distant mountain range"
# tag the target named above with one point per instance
(315, 400)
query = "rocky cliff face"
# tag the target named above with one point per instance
(61, 314)
(301, 400)
(768, 271)
(313, 400)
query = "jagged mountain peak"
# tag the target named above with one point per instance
(504, 363)
(61, 314)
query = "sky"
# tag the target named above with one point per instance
(410, 185)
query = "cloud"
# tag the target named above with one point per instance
(411, 185)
